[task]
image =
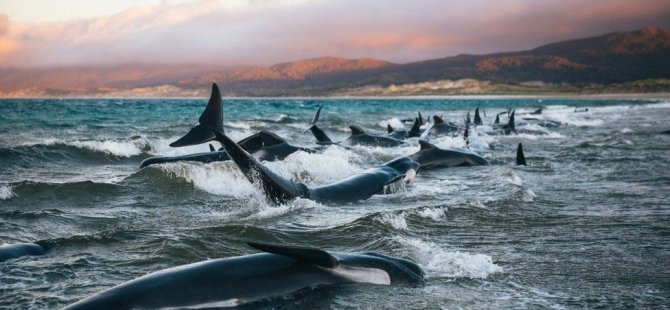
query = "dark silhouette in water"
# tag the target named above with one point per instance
(227, 282)
(430, 156)
(358, 136)
(16, 250)
(520, 158)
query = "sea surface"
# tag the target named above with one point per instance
(585, 225)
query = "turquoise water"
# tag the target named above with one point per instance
(586, 224)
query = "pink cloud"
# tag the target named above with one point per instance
(267, 32)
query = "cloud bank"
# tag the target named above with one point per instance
(263, 32)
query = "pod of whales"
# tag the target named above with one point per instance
(242, 280)
(263, 145)
(358, 136)
(16, 250)
(376, 180)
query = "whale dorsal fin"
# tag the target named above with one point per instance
(425, 145)
(356, 130)
(303, 254)
(270, 139)
(437, 119)
(520, 158)
(497, 121)
(211, 148)
(478, 119)
(389, 129)
(421, 122)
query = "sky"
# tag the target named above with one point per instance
(46, 33)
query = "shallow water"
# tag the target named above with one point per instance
(586, 224)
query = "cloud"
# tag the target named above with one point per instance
(266, 32)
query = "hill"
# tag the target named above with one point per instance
(594, 63)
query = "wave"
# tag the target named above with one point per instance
(439, 262)
(6, 192)
(31, 189)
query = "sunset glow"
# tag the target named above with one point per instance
(258, 32)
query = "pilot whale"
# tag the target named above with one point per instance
(430, 156)
(264, 145)
(242, 280)
(16, 250)
(441, 128)
(358, 136)
(377, 180)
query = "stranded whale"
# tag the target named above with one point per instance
(381, 179)
(358, 135)
(430, 156)
(16, 250)
(236, 281)
(264, 145)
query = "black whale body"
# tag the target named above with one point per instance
(16, 250)
(430, 156)
(242, 280)
(358, 136)
(354, 188)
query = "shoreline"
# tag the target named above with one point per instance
(663, 95)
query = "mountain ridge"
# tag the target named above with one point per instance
(617, 57)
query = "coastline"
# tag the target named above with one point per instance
(660, 95)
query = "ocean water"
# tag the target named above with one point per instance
(586, 224)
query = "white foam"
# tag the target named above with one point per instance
(397, 221)
(439, 262)
(394, 122)
(6, 192)
(270, 211)
(513, 178)
(219, 178)
(528, 195)
(434, 214)
(316, 169)
(118, 148)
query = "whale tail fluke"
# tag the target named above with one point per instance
(307, 255)
(276, 188)
(478, 119)
(520, 158)
(320, 136)
(211, 119)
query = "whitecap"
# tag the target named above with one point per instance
(431, 213)
(219, 178)
(117, 148)
(397, 221)
(438, 262)
(6, 192)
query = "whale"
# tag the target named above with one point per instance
(396, 133)
(265, 145)
(358, 136)
(381, 179)
(430, 156)
(16, 250)
(276, 272)
(441, 128)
